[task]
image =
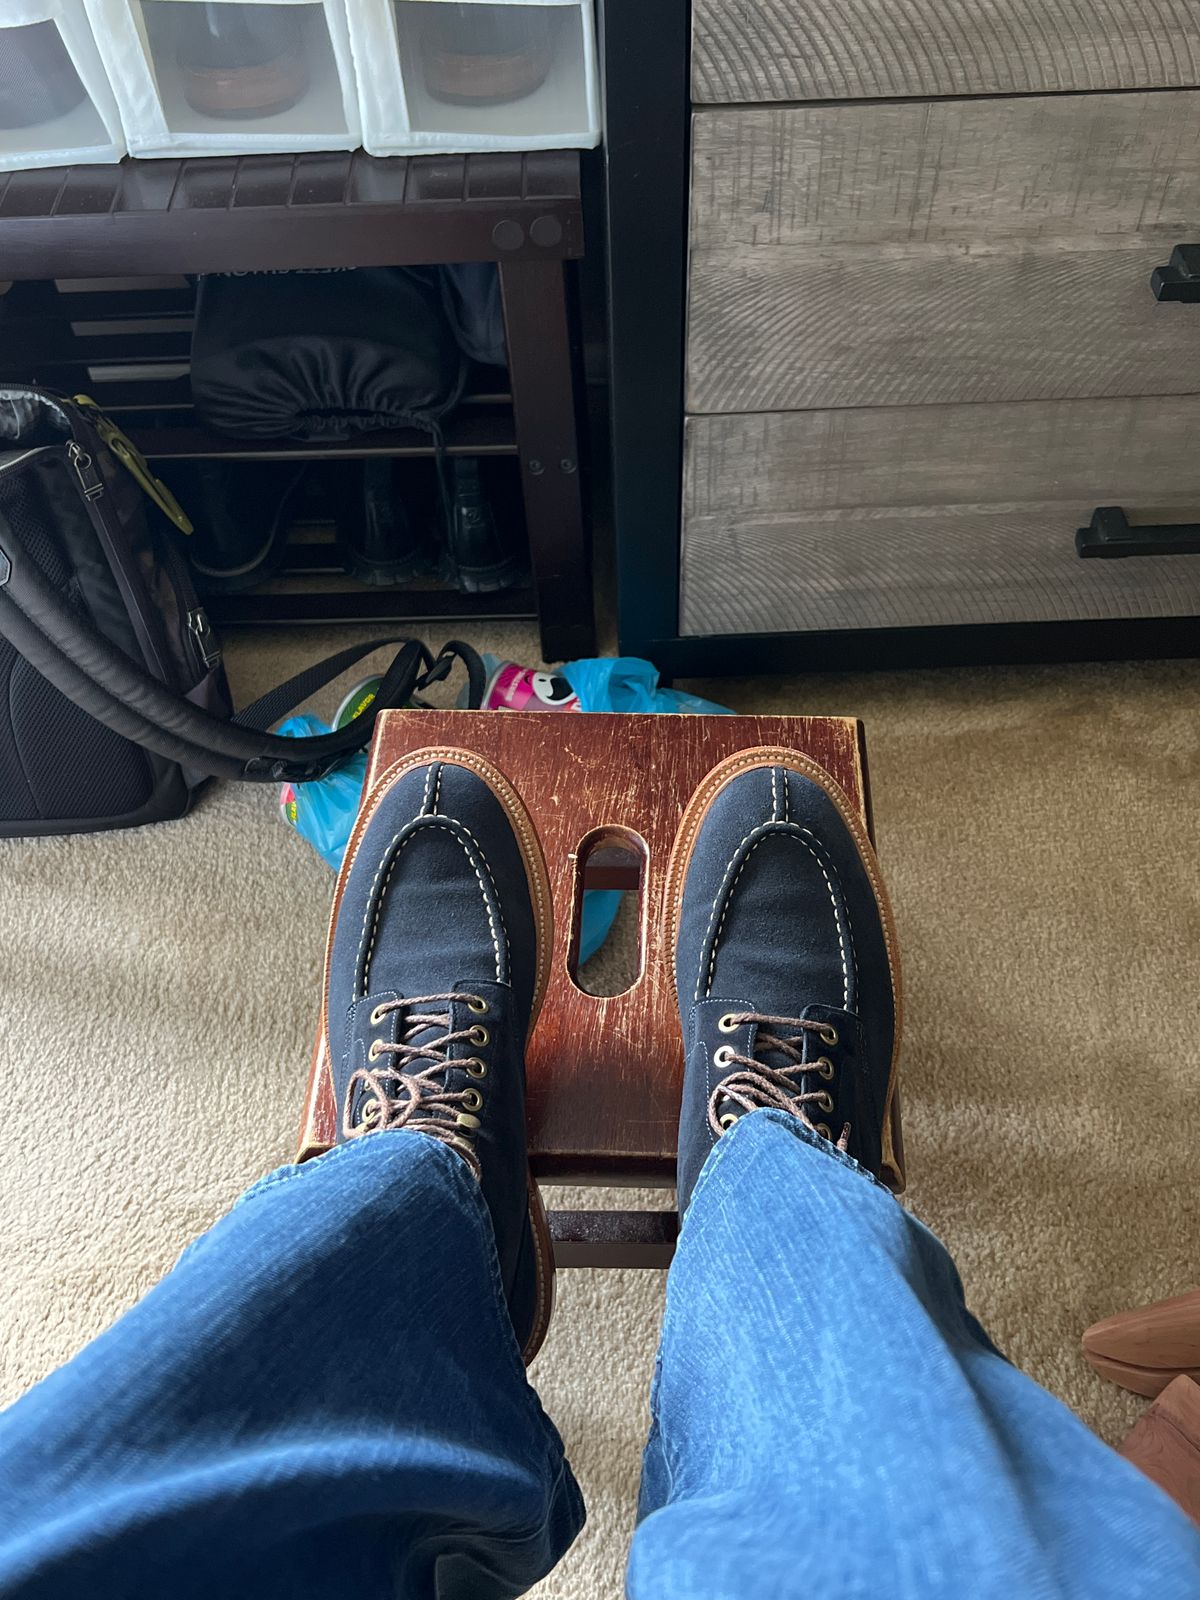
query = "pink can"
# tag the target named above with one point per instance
(516, 688)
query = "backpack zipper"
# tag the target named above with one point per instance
(124, 566)
(90, 480)
(206, 641)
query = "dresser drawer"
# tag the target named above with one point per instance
(931, 515)
(982, 250)
(751, 50)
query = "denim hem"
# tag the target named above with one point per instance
(798, 1130)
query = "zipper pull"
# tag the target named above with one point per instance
(206, 639)
(85, 470)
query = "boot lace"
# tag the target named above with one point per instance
(758, 1084)
(409, 1094)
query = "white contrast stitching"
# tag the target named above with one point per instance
(774, 794)
(428, 786)
(528, 844)
(437, 792)
(794, 761)
(365, 963)
(390, 859)
(765, 830)
(486, 901)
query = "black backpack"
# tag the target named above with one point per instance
(118, 708)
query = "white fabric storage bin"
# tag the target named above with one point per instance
(230, 77)
(56, 106)
(465, 75)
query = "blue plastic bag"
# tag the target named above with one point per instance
(324, 810)
(627, 683)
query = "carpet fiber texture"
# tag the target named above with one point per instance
(1039, 831)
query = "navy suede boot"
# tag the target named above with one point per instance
(786, 965)
(437, 961)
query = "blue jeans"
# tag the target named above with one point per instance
(325, 1399)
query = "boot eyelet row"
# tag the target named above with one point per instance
(723, 1056)
(478, 1035)
(823, 1067)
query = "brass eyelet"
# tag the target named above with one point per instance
(824, 1130)
(368, 1113)
(478, 1035)
(472, 1099)
(823, 1067)
(825, 1101)
(727, 1120)
(728, 1023)
(829, 1034)
(477, 1004)
(379, 1014)
(476, 1068)
(722, 1056)
(376, 1050)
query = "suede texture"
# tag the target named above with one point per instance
(779, 918)
(437, 902)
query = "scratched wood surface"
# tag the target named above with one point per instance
(604, 1072)
(983, 250)
(924, 515)
(870, 49)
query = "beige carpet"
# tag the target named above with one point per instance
(1039, 830)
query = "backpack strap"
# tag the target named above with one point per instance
(68, 650)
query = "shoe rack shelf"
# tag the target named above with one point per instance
(100, 259)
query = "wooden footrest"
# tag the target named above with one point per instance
(606, 795)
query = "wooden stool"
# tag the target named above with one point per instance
(606, 795)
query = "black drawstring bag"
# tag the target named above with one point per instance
(323, 355)
(119, 708)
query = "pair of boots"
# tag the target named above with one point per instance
(438, 959)
(242, 514)
(385, 544)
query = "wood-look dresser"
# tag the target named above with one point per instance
(883, 330)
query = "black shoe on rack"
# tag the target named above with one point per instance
(479, 557)
(240, 513)
(377, 531)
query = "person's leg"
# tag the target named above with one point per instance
(326, 1396)
(829, 1419)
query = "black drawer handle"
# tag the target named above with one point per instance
(1180, 278)
(1110, 534)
